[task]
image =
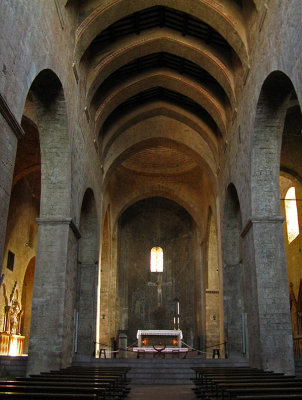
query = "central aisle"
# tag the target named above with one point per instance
(161, 392)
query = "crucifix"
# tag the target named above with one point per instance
(159, 286)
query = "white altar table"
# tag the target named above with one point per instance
(159, 343)
(159, 337)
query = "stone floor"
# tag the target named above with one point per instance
(162, 392)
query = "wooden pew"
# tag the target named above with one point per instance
(53, 387)
(46, 396)
(271, 397)
(99, 370)
(78, 383)
(115, 387)
(116, 375)
(230, 383)
(210, 379)
(28, 388)
(54, 383)
(229, 371)
(107, 384)
(260, 381)
(260, 391)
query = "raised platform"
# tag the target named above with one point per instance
(150, 371)
(12, 366)
(160, 352)
(144, 371)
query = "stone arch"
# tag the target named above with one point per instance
(292, 248)
(161, 108)
(153, 41)
(266, 143)
(220, 18)
(165, 192)
(290, 177)
(180, 137)
(87, 276)
(150, 222)
(57, 234)
(264, 232)
(21, 229)
(168, 80)
(48, 97)
(233, 274)
(47, 176)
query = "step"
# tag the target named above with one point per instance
(298, 365)
(150, 371)
(13, 366)
(92, 361)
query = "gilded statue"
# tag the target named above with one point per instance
(12, 312)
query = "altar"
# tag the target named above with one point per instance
(159, 343)
(11, 345)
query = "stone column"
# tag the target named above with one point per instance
(269, 323)
(88, 278)
(123, 345)
(233, 308)
(52, 322)
(199, 277)
(113, 287)
(11, 131)
(122, 293)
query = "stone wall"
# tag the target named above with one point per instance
(36, 36)
(149, 223)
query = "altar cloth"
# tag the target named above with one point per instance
(159, 332)
(159, 337)
(164, 349)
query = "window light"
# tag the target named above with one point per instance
(157, 259)
(291, 213)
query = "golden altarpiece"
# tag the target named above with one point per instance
(11, 340)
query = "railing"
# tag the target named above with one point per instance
(219, 350)
(298, 347)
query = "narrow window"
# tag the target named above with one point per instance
(291, 213)
(157, 259)
(10, 260)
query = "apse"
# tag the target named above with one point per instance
(149, 296)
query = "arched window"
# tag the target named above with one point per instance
(291, 213)
(157, 259)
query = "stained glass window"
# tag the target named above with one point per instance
(157, 259)
(291, 213)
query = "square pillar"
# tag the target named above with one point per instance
(88, 274)
(52, 321)
(269, 322)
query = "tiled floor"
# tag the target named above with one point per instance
(163, 392)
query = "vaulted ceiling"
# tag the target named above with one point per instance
(162, 79)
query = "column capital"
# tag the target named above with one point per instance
(261, 220)
(10, 118)
(60, 221)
